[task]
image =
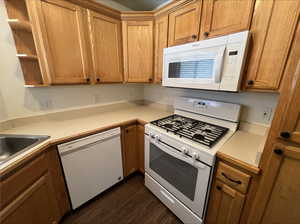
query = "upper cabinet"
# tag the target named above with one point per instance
(63, 33)
(184, 24)
(221, 17)
(161, 42)
(106, 43)
(290, 128)
(272, 28)
(138, 50)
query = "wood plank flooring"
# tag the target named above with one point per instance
(130, 202)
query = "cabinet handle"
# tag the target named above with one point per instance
(285, 134)
(219, 188)
(278, 151)
(88, 79)
(206, 34)
(98, 79)
(194, 36)
(250, 82)
(230, 179)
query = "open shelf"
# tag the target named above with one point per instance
(17, 24)
(36, 85)
(26, 56)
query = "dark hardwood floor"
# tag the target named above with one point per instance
(130, 202)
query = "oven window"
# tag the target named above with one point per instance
(202, 69)
(178, 173)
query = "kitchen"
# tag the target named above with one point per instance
(149, 111)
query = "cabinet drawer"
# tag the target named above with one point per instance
(15, 184)
(233, 177)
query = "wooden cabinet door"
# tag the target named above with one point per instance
(65, 41)
(184, 24)
(35, 205)
(105, 36)
(290, 127)
(225, 205)
(161, 42)
(277, 200)
(272, 28)
(221, 17)
(138, 51)
(141, 147)
(130, 150)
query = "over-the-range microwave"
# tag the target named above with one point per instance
(213, 64)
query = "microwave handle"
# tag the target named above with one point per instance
(219, 64)
(178, 155)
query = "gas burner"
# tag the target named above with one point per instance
(199, 137)
(168, 125)
(198, 131)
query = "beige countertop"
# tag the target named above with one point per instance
(245, 145)
(64, 126)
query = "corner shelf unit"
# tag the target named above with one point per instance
(19, 21)
(16, 24)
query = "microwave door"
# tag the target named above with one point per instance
(200, 71)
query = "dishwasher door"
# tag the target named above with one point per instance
(91, 165)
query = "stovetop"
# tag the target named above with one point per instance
(195, 130)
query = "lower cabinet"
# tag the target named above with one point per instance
(130, 153)
(133, 149)
(226, 204)
(34, 193)
(278, 197)
(141, 147)
(231, 194)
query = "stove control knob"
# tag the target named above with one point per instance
(157, 138)
(152, 135)
(195, 156)
(184, 150)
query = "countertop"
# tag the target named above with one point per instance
(67, 125)
(244, 146)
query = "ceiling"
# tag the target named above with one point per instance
(141, 5)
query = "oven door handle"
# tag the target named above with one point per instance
(177, 155)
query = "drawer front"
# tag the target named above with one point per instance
(233, 177)
(15, 184)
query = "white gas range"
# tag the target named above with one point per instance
(180, 153)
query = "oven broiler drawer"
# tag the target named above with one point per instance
(233, 177)
(178, 208)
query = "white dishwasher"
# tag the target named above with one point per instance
(91, 165)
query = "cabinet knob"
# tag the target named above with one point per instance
(219, 188)
(88, 79)
(150, 79)
(98, 79)
(285, 134)
(194, 36)
(278, 151)
(206, 34)
(250, 82)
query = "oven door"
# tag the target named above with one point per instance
(183, 177)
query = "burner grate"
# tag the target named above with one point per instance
(198, 131)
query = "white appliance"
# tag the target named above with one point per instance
(180, 153)
(214, 64)
(91, 165)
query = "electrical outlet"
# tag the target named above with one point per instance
(267, 114)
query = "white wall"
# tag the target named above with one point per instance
(20, 101)
(114, 5)
(254, 104)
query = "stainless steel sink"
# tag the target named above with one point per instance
(13, 145)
